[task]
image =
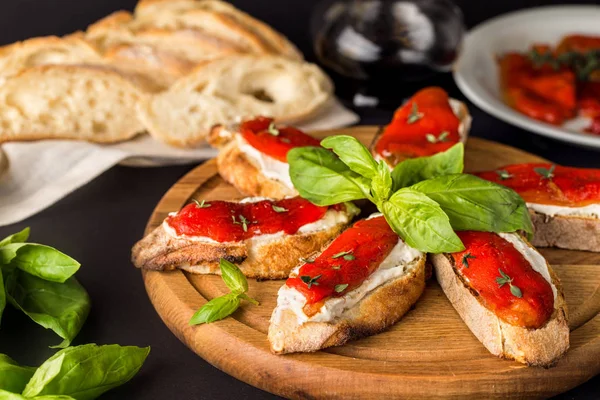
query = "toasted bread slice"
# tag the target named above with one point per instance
(537, 347)
(261, 257)
(376, 312)
(244, 173)
(225, 90)
(369, 307)
(69, 102)
(460, 110)
(567, 232)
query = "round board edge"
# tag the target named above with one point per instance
(200, 344)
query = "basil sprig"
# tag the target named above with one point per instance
(39, 281)
(223, 306)
(423, 199)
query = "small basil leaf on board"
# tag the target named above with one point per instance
(353, 153)
(216, 309)
(18, 237)
(13, 377)
(473, 203)
(381, 184)
(322, 178)
(420, 222)
(42, 261)
(85, 372)
(233, 277)
(61, 307)
(414, 170)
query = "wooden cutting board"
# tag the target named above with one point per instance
(430, 353)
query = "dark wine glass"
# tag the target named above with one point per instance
(380, 51)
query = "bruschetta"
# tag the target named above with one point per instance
(252, 156)
(507, 294)
(265, 238)
(428, 123)
(360, 285)
(564, 202)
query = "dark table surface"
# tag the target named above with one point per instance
(99, 223)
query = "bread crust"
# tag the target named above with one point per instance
(273, 260)
(235, 167)
(460, 110)
(567, 232)
(380, 309)
(535, 347)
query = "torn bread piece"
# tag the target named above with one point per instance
(90, 103)
(508, 295)
(252, 156)
(227, 90)
(360, 285)
(564, 202)
(265, 238)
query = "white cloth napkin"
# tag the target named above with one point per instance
(38, 174)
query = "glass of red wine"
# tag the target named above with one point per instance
(381, 51)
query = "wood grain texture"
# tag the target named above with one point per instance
(430, 353)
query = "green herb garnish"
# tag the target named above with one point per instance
(465, 259)
(223, 306)
(424, 200)
(243, 222)
(344, 254)
(279, 209)
(504, 279)
(545, 173)
(306, 260)
(202, 204)
(503, 174)
(341, 287)
(272, 129)
(414, 115)
(443, 137)
(310, 281)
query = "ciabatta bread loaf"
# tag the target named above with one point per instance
(69, 102)
(226, 90)
(248, 32)
(71, 49)
(566, 231)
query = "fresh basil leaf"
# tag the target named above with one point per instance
(62, 307)
(18, 237)
(420, 222)
(414, 170)
(475, 204)
(216, 309)
(85, 372)
(6, 395)
(381, 184)
(13, 377)
(42, 261)
(322, 178)
(233, 277)
(248, 298)
(353, 153)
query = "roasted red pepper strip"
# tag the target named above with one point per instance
(566, 186)
(541, 92)
(578, 43)
(423, 126)
(277, 141)
(524, 299)
(348, 260)
(230, 222)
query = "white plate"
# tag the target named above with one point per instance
(476, 72)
